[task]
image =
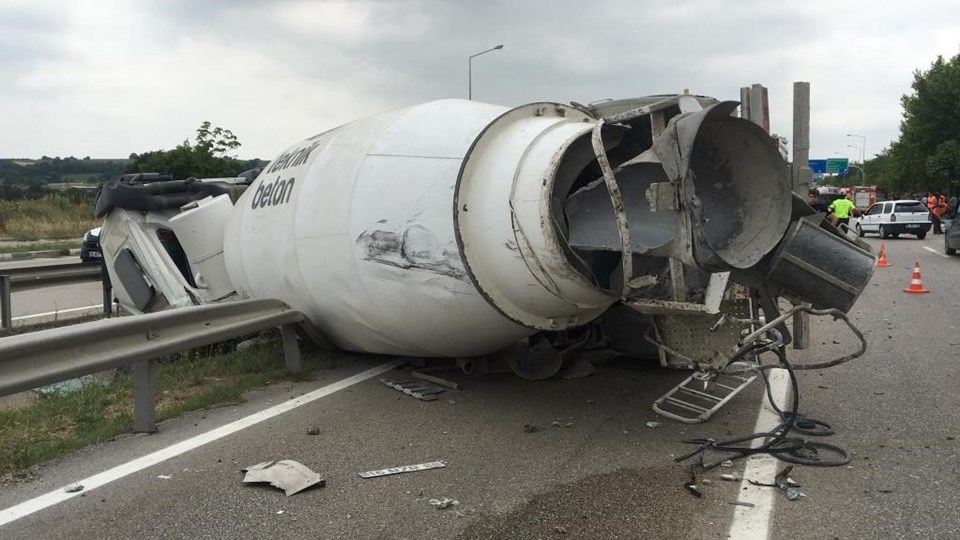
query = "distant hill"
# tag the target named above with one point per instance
(23, 178)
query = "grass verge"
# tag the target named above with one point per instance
(52, 216)
(42, 246)
(56, 425)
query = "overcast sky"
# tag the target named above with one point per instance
(107, 78)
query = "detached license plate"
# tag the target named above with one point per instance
(913, 225)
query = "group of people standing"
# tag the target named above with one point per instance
(940, 207)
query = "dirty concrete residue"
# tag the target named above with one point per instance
(414, 247)
(635, 503)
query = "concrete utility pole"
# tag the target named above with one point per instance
(800, 172)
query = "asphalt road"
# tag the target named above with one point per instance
(593, 469)
(60, 300)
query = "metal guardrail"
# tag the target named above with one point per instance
(35, 359)
(33, 277)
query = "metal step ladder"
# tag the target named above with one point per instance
(694, 400)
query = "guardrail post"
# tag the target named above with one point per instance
(291, 350)
(144, 389)
(6, 319)
(107, 289)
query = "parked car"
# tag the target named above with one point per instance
(90, 249)
(951, 236)
(893, 218)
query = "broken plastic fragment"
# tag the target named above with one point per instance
(792, 494)
(653, 424)
(444, 503)
(290, 476)
(73, 488)
(726, 463)
(730, 477)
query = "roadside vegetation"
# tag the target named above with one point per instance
(52, 216)
(64, 246)
(54, 425)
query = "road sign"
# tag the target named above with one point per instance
(818, 166)
(837, 165)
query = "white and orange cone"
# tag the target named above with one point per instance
(916, 287)
(882, 261)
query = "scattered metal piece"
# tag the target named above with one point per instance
(694, 490)
(885, 491)
(279, 512)
(419, 374)
(730, 477)
(781, 479)
(403, 469)
(290, 476)
(743, 503)
(444, 503)
(73, 488)
(418, 389)
(164, 476)
(653, 425)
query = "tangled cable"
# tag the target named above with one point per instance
(783, 441)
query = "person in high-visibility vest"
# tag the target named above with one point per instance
(842, 207)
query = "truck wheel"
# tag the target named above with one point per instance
(921, 236)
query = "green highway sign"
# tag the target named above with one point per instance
(837, 165)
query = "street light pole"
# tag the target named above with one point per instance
(863, 141)
(863, 175)
(470, 68)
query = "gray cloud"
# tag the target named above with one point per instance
(277, 71)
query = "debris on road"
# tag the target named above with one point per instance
(784, 483)
(530, 428)
(419, 374)
(313, 431)
(164, 476)
(290, 476)
(743, 503)
(730, 477)
(653, 425)
(726, 463)
(444, 503)
(73, 488)
(415, 388)
(403, 469)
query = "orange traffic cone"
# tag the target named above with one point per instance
(915, 286)
(882, 261)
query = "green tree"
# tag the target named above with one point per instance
(208, 157)
(926, 154)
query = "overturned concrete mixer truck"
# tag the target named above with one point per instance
(661, 225)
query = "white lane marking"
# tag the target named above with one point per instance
(754, 523)
(92, 482)
(58, 312)
(935, 252)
